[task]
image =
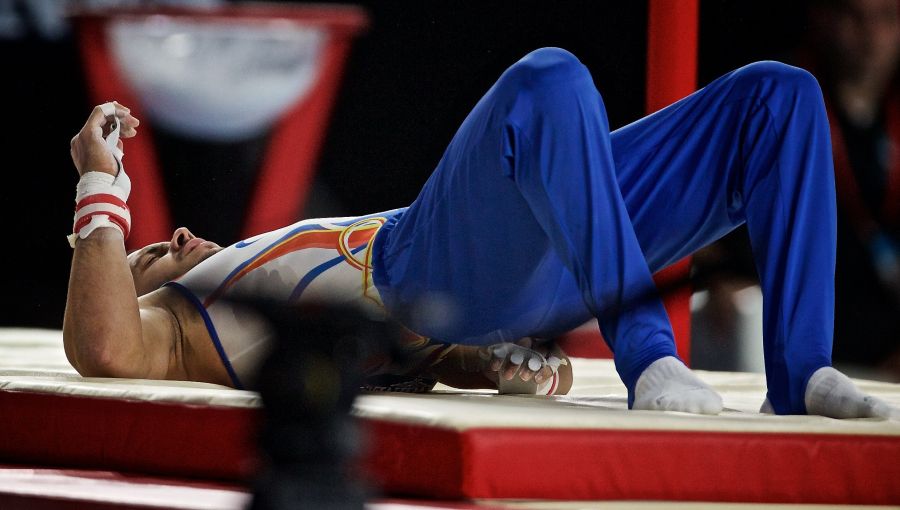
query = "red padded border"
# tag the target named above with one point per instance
(124, 435)
(419, 460)
(581, 464)
(415, 460)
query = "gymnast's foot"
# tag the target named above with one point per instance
(831, 393)
(668, 385)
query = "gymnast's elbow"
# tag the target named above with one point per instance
(92, 352)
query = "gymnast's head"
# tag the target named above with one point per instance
(155, 264)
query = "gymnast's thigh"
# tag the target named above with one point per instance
(471, 246)
(677, 171)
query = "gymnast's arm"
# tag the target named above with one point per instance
(106, 331)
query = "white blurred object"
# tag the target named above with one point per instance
(217, 81)
(48, 18)
(45, 18)
(729, 335)
(749, 329)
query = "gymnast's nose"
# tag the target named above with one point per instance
(179, 238)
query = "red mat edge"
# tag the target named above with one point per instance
(127, 435)
(421, 460)
(682, 466)
(406, 459)
(590, 464)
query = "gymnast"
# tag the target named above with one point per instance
(536, 219)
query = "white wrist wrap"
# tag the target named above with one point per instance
(100, 198)
(549, 386)
(112, 140)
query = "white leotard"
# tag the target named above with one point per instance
(323, 260)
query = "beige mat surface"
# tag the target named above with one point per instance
(33, 360)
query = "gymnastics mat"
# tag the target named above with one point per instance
(461, 445)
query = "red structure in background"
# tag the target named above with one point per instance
(287, 170)
(672, 28)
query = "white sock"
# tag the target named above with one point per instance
(668, 385)
(831, 393)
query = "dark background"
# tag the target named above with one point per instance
(411, 79)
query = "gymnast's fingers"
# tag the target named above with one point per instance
(498, 355)
(129, 126)
(94, 124)
(532, 360)
(121, 110)
(88, 148)
(532, 367)
(511, 366)
(543, 374)
(497, 363)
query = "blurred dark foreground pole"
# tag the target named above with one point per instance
(308, 383)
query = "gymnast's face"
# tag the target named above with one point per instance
(158, 263)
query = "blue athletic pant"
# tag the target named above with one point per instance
(537, 218)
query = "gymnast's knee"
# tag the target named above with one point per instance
(548, 68)
(771, 77)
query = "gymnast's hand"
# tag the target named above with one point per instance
(527, 359)
(88, 148)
